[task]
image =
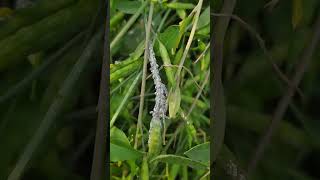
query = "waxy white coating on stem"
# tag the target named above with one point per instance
(160, 108)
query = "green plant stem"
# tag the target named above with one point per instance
(144, 75)
(193, 30)
(124, 100)
(198, 94)
(127, 26)
(55, 108)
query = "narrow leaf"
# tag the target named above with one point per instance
(200, 153)
(180, 160)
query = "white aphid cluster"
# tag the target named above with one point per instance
(160, 108)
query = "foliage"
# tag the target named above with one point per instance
(179, 34)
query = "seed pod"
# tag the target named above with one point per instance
(120, 64)
(160, 107)
(145, 169)
(167, 62)
(179, 5)
(155, 139)
(174, 100)
(125, 71)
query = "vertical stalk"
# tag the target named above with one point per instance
(144, 75)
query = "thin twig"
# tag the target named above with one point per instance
(202, 54)
(144, 75)
(199, 93)
(193, 30)
(125, 99)
(286, 99)
(271, 4)
(188, 70)
(262, 45)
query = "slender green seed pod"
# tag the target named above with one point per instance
(155, 138)
(122, 64)
(179, 5)
(145, 169)
(167, 62)
(160, 107)
(125, 71)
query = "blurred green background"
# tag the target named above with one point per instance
(41, 43)
(253, 90)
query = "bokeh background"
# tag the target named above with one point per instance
(51, 36)
(253, 90)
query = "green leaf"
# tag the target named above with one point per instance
(128, 7)
(170, 38)
(138, 51)
(116, 135)
(125, 99)
(185, 23)
(200, 153)
(119, 152)
(180, 160)
(167, 63)
(174, 99)
(204, 18)
(181, 13)
(120, 148)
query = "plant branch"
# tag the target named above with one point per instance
(199, 93)
(262, 45)
(144, 75)
(286, 99)
(193, 30)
